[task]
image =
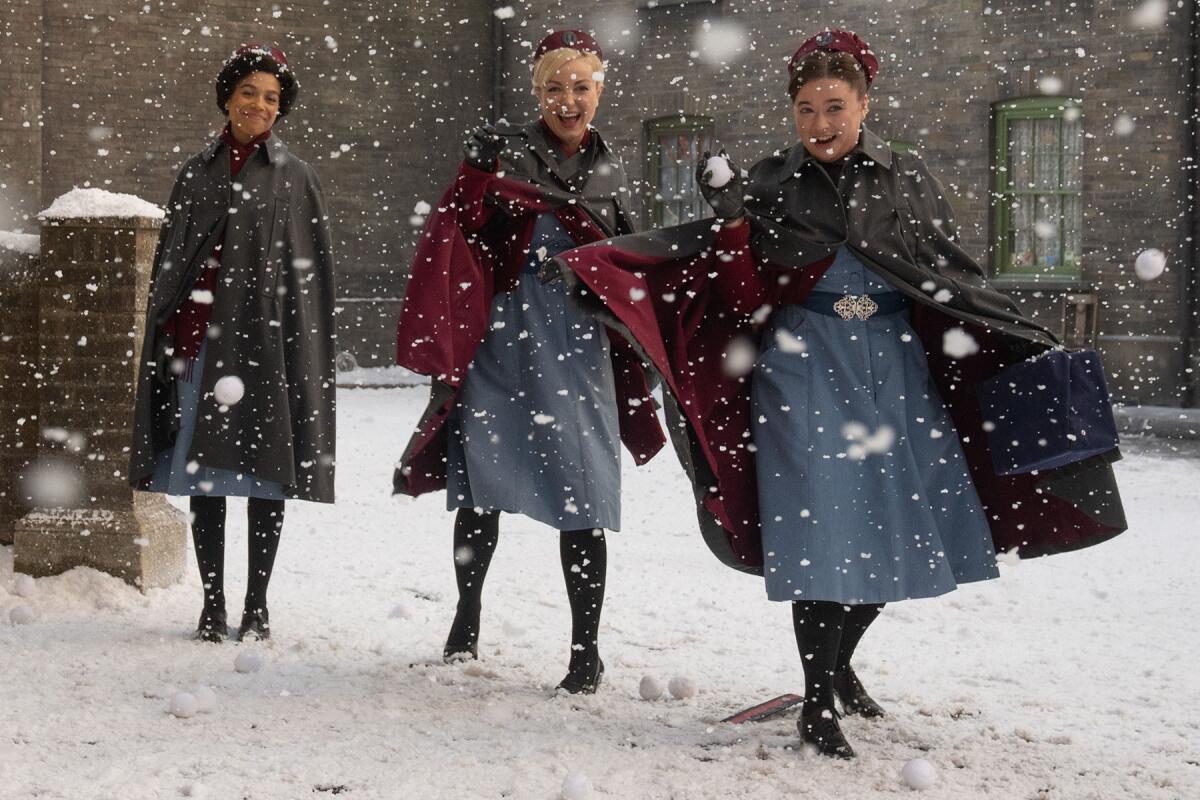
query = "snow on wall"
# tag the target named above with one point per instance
(93, 203)
(29, 244)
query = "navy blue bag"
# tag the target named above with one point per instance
(1047, 411)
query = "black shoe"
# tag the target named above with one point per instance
(855, 700)
(462, 644)
(255, 625)
(821, 730)
(584, 680)
(213, 626)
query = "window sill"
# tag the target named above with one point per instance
(1036, 282)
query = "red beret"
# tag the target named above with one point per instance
(576, 40)
(268, 50)
(838, 41)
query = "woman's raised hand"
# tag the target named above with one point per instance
(720, 181)
(483, 147)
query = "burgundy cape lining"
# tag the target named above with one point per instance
(662, 290)
(447, 304)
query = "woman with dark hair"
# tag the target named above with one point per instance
(822, 345)
(236, 385)
(529, 398)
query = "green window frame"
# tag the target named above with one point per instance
(673, 148)
(1038, 209)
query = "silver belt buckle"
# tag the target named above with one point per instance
(851, 306)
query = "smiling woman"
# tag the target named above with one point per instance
(531, 396)
(235, 394)
(568, 84)
(829, 103)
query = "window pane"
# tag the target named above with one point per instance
(669, 215)
(1020, 153)
(666, 173)
(1072, 224)
(1072, 136)
(1046, 154)
(1020, 243)
(1048, 246)
(679, 153)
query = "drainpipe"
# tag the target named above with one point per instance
(1191, 328)
(497, 62)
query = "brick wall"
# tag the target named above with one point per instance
(407, 79)
(18, 398)
(943, 66)
(20, 113)
(386, 91)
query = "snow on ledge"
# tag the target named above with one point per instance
(93, 203)
(29, 244)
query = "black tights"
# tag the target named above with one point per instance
(264, 520)
(584, 556)
(827, 635)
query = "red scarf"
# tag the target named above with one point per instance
(189, 323)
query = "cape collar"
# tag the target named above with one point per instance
(869, 145)
(274, 148)
(546, 149)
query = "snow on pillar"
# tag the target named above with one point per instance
(97, 250)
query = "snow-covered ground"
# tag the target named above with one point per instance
(1071, 677)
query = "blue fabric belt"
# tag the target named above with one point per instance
(849, 306)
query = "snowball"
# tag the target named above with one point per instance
(53, 484)
(504, 12)
(681, 687)
(576, 786)
(739, 357)
(918, 774)
(1150, 14)
(1124, 125)
(1044, 229)
(718, 171)
(202, 297)
(229, 390)
(21, 615)
(24, 585)
(650, 688)
(206, 698)
(1009, 558)
(184, 705)
(1150, 264)
(543, 419)
(636, 294)
(881, 440)
(957, 343)
(248, 661)
(721, 41)
(422, 208)
(788, 342)
(1050, 84)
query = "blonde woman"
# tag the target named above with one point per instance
(524, 416)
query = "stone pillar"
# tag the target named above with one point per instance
(95, 275)
(18, 356)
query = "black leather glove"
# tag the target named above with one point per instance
(727, 201)
(482, 148)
